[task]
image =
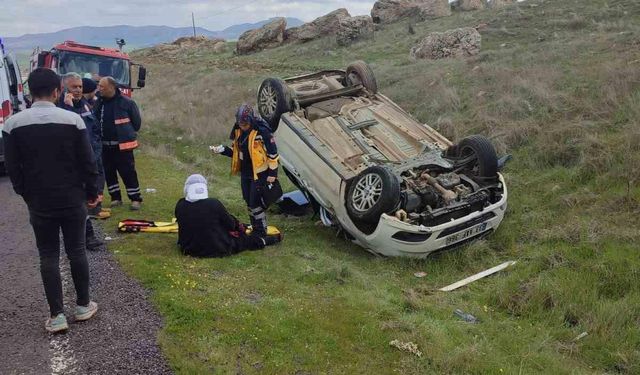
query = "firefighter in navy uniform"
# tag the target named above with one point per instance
(120, 121)
(254, 156)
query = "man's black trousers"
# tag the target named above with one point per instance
(121, 163)
(252, 196)
(47, 226)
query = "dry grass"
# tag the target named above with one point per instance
(195, 102)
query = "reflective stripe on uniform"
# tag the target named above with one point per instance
(122, 121)
(125, 146)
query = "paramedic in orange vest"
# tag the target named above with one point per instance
(254, 156)
(119, 120)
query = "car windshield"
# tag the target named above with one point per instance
(96, 66)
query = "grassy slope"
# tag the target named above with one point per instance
(557, 84)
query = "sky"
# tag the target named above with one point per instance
(18, 17)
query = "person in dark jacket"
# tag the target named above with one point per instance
(89, 89)
(50, 163)
(205, 227)
(254, 156)
(119, 119)
(73, 100)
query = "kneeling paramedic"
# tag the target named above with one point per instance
(205, 227)
(254, 156)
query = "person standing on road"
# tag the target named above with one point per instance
(254, 156)
(74, 101)
(51, 165)
(120, 121)
(205, 227)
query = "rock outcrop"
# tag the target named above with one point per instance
(189, 42)
(321, 26)
(268, 36)
(185, 45)
(388, 11)
(353, 29)
(452, 43)
(468, 5)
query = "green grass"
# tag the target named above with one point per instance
(562, 95)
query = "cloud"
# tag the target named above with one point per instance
(36, 16)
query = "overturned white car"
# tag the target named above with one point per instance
(396, 186)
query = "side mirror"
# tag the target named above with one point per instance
(42, 59)
(142, 76)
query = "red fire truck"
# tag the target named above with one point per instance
(90, 61)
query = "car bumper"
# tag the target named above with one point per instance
(393, 237)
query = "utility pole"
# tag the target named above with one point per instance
(193, 22)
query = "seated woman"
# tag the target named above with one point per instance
(206, 229)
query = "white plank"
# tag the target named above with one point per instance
(477, 276)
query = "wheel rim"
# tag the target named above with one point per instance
(268, 101)
(367, 192)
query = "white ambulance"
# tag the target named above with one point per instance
(12, 98)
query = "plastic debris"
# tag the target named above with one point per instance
(108, 238)
(477, 276)
(150, 190)
(466, 317)
(581, 336)
(406, 347)
(420, 274)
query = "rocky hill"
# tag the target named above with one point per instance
(135, 36)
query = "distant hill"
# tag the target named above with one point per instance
(135, 36)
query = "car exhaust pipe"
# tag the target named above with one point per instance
(448, 195)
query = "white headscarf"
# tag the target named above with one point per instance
(195, 188)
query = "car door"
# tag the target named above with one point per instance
(6, 109)
(15, 83)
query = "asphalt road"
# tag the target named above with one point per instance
(120, 339)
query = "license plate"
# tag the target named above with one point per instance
(470, 232)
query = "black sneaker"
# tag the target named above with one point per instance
(273, 239)
(93, 244)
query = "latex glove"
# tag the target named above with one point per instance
(271, 179)
(217, 149)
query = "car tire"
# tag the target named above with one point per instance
(311, 89)
(373, 192)
(274, 99)
(484, 152)
(360, 73)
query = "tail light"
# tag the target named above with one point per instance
(7, 110)
(20, 89)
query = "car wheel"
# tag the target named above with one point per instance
(360, 73)
(481, 150)
(372, 193)
(311, 89)
(274, 99)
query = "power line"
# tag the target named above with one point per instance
(228, 10)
